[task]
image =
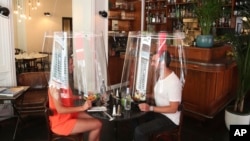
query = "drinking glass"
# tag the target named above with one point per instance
(105, 98)
(127, 104)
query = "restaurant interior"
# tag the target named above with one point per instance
(210, 72)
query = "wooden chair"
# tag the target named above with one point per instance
(55, 137)
(34, 99)
(17, 51)
(172, 135)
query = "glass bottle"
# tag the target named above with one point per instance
(177, 14)
(128, 99)
(104, 97)
(103, 88)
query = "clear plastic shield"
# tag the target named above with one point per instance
(145, 61)
(78, 64)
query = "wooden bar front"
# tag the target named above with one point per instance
(210, 80)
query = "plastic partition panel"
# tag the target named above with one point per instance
(139, 73)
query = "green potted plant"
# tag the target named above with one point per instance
(206, 11)
(238, 113)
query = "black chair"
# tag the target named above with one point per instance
(172, 135)
(17, 51)
(30, 65)
(43, 63)
(56, 137)
(19, 66)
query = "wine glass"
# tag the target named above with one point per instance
(105, 98)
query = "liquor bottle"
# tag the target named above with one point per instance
(165, 18)
(153, 18)
(103, 93)
(183, 10)
(162, 17)
(157, 19)
(222, 19)
(150, 18)
(128, 99)
(147, 17)
(177, 12)
(169, 13)
(103, 88)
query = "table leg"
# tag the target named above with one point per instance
(17, 123)
(18, 119)
(116, 131)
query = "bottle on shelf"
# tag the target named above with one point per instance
(177, 12)
(194, 42)
(153, 18)
(165, 18)
(147, 17)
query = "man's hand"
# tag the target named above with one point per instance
(144, 107)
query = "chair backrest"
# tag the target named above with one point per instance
(48, 57)
(181, 109)
(48, 113)
(36, 80)
(17, 51)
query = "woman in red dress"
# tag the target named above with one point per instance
(67, 119)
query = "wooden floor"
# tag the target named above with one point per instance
(34, 129)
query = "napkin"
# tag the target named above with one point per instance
(97, 109)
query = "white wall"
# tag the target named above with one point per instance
(7, 62)
(86, 19)
(30, 32)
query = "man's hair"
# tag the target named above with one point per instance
(167, 58)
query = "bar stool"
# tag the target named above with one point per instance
(172, 135)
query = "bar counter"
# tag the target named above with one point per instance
(210, 81)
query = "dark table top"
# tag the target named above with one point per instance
(125, 114)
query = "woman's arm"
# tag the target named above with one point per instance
(62, 109)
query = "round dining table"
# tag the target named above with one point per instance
(132, 114)
(27, 61)
(30, 56)
(123, 114)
